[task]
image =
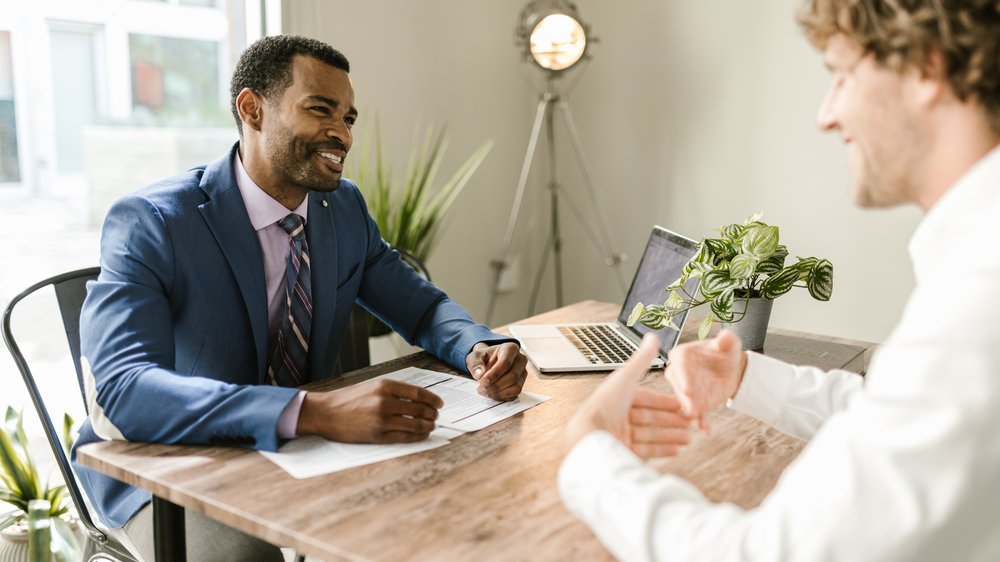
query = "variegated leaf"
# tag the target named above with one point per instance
(805, 266)
(820, 282)
(779, 283)
(722, 306)
(732, 231)
(673, 300)
(756, 217)
(706, 326)
(760, 241)
(633, 316)
(742, 266)
(716, 281)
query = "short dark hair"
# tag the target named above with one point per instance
(901, 34)
(266, 66)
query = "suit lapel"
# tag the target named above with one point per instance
(321, 234)
(227, 218)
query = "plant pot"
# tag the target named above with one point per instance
(14, 543)
(752, 327)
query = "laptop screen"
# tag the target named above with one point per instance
(662, 262)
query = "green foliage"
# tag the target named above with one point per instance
(410, 213)
(746, 261)
(20, 482)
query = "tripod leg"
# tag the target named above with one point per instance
(537, 284)
(499, 265)
(615, 257)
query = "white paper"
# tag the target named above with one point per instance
(464, 410)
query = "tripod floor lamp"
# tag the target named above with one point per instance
(554, 38)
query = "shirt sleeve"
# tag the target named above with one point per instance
(793, 399)
(288, 421)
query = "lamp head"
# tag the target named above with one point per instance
(552, 35)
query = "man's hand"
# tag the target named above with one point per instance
(706, 373)
(380, 411)
(648, 422)
(500, 369)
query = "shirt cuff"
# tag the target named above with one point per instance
(288, 421)
(765, 387)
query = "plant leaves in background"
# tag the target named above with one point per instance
(820, 281)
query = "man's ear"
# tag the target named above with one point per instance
(250, 106)
(932, 79)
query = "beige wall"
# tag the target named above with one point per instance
(692, 114)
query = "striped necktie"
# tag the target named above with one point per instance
(291, 346)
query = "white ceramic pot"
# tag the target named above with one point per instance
(14, 543)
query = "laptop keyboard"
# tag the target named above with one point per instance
(600, 344)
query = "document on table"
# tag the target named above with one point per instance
(464, 410)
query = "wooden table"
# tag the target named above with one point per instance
(489, 495)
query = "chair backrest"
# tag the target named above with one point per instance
(70, 289)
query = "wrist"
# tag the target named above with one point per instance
(741, 370)
(305, 425)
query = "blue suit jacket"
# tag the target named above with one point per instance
(175, 327)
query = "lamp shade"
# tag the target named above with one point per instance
(552, 34)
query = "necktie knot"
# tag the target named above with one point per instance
(294, 226)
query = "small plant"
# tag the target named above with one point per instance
(21, 486)
(745, 262)
(409, 213)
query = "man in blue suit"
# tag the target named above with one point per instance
(181, 327)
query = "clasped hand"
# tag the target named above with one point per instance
(655, 424)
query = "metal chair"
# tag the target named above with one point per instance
(70, 289)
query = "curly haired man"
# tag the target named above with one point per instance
(904, 463)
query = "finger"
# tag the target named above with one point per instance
(727, 341)
(411, 409)
(414, 393)
(647, 398)
(646, 416)
(501, 362)
(661, 435)
(407, 425)
(402, 437)
(655, 450)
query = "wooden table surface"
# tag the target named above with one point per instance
(489, 495)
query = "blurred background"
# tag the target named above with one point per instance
(691, 115)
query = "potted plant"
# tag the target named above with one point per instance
(409, 213)
(40, 527)
(740, 274)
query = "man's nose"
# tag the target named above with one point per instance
(826, 118)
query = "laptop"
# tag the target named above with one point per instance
(605, 346)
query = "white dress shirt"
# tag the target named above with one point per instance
(901, 465)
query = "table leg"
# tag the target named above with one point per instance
(168, 531)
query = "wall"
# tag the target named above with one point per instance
(691, 114)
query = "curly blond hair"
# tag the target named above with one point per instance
(902, 34)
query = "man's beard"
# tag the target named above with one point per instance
(293, 158)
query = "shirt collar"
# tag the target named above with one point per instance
(955, 221)
(263, 209)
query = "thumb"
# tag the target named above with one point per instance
(727, 341)
(628, 375)
(475, 361)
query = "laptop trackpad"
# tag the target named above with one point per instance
(558, 347)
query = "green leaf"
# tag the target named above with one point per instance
(732, 231)
(779, 283)
(68, 437)
(654, 316)
(742, 266)
(65, 547)
(774, 263)
(756, 217)
(10, 520)
(717, 281)
(760, 241)
(820, 281)
(674, 300)
(706, 326)
(805, 266)
(722, 306)
(633, 316)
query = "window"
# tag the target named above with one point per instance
(10, 171)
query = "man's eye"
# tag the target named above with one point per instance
(320, 109)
